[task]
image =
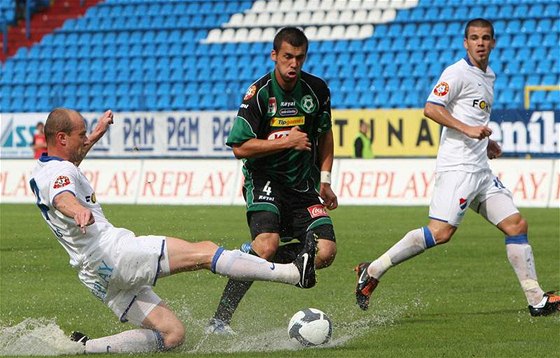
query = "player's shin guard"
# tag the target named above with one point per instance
(520, 256)
(413, 243)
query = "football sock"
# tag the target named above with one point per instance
(245, 267)
(236, 290)
(232, 295)
(412, 244)
(133, 341)
(520, 256)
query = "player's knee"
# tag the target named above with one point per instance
(514, 225)
(326, 253)
(442, 235)
(175, 337)
(266, 244)
(518, 227)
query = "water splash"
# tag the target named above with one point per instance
(34, 337)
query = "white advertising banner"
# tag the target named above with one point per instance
(533, 182)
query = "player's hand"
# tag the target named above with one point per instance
(330, 201)
(106, 119)
(83, 218)
(478, 132)
(298, 140)
(493, 150)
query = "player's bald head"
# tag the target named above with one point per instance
(60, 120)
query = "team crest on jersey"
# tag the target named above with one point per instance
(307, 104)
(250, 92)
(271, 106)
(441, 89)
(317, 211)
(463, 203)
(61, 181)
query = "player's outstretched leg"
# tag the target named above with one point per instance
(549, 305)
(365, 285)
(305, 261)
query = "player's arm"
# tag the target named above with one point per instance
(256, 148)
(68, 205)
(441, 115)
(326, 158)
(102, 125)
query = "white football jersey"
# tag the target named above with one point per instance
(53, 176)
(467, 93)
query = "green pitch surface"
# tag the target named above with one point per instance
(458, 300)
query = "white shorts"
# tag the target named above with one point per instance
(455, 191)
(123, 269)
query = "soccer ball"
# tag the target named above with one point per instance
(310, 327)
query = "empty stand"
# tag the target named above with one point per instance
(191, 55)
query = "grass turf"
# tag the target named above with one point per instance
(461, 299)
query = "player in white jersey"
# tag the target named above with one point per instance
(119, 267)
(461, 102)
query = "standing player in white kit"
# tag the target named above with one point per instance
(119, 267)
(461, 102)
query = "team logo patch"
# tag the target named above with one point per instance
(271, 106)
(317, 211)
(308, 104)
(250, 92)
(463, 203)
(441, 89)
(61, 181)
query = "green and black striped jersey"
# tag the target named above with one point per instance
(269, 112)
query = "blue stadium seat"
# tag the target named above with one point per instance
(552, 9)
(544, 25)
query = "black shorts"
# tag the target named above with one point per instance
(286, 211)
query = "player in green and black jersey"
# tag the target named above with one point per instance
(283, 135)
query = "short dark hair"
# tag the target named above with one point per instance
(291, 35)
(479, 22)
(58, 121)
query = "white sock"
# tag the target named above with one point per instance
(412, 244)
(245, 267)
(520, 256)
(133, 341)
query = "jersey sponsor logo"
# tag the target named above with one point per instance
(287, 121)
(91, 198)
(271, 106)
(278, 134)
(288, 111)
(482, 104)
(441, 89)
(317, 211)
(250, 92)
(287, 104)
(307, 103)
(463, 203)
(61, 181)
(244, 106)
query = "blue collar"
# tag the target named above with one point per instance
(46, 158)
(466, 58)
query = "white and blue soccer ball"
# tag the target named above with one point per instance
(310, 327)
